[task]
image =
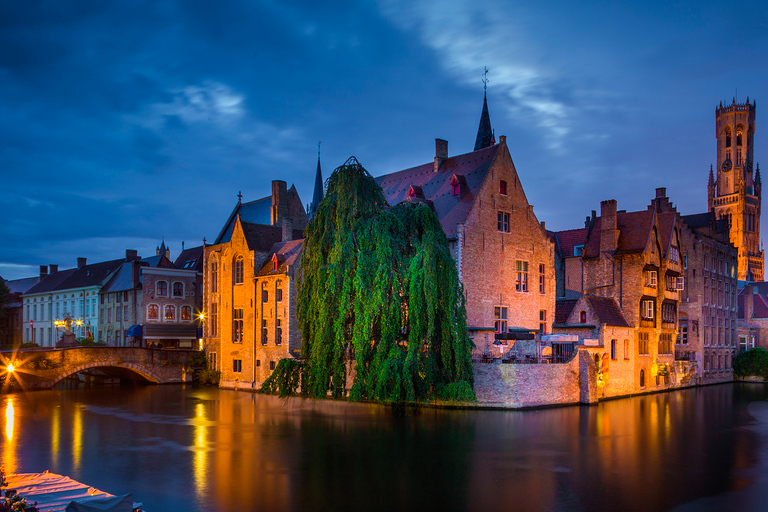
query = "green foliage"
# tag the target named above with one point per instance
(208, 377)
(379, 286)
(198, 360)
(286, 378)
(751, 362)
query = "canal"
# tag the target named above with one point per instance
(184, 448)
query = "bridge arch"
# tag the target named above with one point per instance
(142, 372)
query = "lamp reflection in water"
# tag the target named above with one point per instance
(9, 456)
(201, 452)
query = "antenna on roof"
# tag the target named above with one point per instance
(485, 79)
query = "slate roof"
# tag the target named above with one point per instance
(51, 282)
(191, 259)
(255, 212)
(122, 279)
(22, 285)
(95, 274)
(288, 254)
(436, 186)
(261, 238)
(607, 311)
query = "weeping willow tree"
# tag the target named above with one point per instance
(378, 287)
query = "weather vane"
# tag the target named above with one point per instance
(318, 149)
(485, 78)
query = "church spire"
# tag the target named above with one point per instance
(318, 193)
(484, 131)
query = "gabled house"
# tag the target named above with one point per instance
(503, 255)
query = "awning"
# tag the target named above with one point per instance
(170, 331)
(135, 331)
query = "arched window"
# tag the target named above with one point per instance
(186, 312)
(642, 378)
(214, 276)
(170, 312)
(238, 270)
(583, 317)
(279, 291)
(152, 312)
(727, 136)
(738, 137)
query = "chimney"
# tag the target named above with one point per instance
(54, 268)
(43, 271)
(279, 210)
(135, 270)
(502, 139)
(441, 152)
(661, 192)
(80, 262)
(749, 304)
(182, 246)
(131, 254)
(543, 225)
(609, 235)
(287, 226)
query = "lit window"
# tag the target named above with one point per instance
(186, 313)
(170, 313)
(152, 312)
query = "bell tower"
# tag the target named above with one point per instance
(734, 194)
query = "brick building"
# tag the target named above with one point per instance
(707, 323)
(734, 192)
(635, 259)
(151, 301)
(503, 255)
(12, 326)
(233, 297)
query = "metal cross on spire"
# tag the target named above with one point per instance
(485, 79)
(318, 149)
(239, 196)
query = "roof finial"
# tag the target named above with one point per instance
(485, 80)
(318, 149)
(239, 196)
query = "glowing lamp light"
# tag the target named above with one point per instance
(201, 316)
(10, 368)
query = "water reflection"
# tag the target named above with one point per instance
(182, 448)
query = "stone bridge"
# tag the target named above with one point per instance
(42, 368)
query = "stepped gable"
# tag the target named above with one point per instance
(607, 311)
(436, 186)
(288, 254)
(634, 232)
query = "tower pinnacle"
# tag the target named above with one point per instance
(484, 131)
(317, 196)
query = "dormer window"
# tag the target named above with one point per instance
(503, 187)
(275, 263)
(415, 192)
(578, 250)
(583, 317)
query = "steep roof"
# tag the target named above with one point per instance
(22, 285)
(261, 238)
(317, 196)
(607, 311)
(95, 274)
(191, 259)
(567, 240)
(122, 279)
(257, 212)
(634, 232)
(563, 309)
(288, 254)
(436, 186)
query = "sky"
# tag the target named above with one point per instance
(126, 123)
